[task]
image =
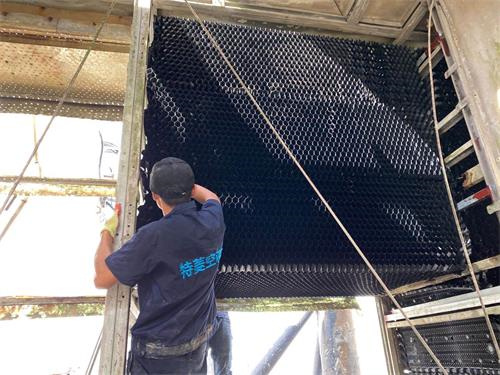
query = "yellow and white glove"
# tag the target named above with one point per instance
(111, 225)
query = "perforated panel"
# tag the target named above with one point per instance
(355, 114)
(34, 77)
(463, 347)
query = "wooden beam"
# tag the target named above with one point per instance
(389, 341)
(459, 154)
(411, 23)
(436, 56)
(33, 27)
(60, 13)
(357, 11)
(482, 265)
(237, 12)
(62, 42)
(62, 181)
(116, 313)
(448, 317)
(42, 300)
(452, 118)
(491, 296)
(34, 186)
(472, 176)
(286, 304)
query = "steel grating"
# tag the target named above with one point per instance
(356, 115)
(463, 347)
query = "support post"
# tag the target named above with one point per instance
(116, 313)
(274, 354)
(337, 343)
(394, 366)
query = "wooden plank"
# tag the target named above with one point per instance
(459, 154)
(448, 317)
(412, 23)
(41, 186)
(116, 314)
(35, 26)
(62, 42)
(39, 190)
(61, 181)
(49, 300)
(70, 14)
(436, 56)
(452, 118)
(482, 265)
(391, 351)
(465, 301)
(122, 7)
(357, 11)
(234, 13)
(287, 304)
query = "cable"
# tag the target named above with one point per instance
(59, 105)
(313, 186)
(448, 190)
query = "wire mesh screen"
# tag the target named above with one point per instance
(463, 347)
(356, 115)
(34, 77)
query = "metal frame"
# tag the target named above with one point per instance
(116, 313)
(394, 366)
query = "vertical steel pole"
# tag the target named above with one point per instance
(116, 313)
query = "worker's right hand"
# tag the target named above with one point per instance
(111, 225)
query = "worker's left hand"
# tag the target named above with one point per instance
(111, 225)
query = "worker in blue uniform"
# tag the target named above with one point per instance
(174, 262)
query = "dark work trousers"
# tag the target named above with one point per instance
(220, 345)
(192, 363)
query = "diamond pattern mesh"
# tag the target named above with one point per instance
(356, 115)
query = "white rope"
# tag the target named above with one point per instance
(59, 106)
(313, 186)
(448, 190)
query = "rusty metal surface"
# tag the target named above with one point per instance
(33, 78)
(42, 72)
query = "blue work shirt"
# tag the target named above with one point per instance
(174, 262)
